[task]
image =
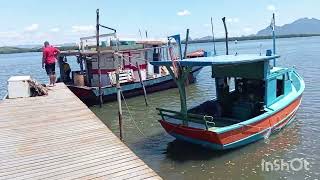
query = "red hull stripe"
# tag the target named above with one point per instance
(237, 134)
(141, 66)
(282, 117)
(106, 71)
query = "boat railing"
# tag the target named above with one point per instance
(207, 121)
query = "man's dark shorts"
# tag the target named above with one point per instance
(50, 69)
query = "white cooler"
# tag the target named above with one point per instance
(18, 87)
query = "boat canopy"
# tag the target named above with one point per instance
(218, 60)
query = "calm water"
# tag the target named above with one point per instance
(176, 160)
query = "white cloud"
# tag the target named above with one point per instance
(235, 20)
(10, 34)
(55, 29)
(183, 13)
(32, 28)
(83, 29)
(247, 30)
(271, 7)
(207, 25)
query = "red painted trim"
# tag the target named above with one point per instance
(103, 71)
(194, 133)
(238, 134)
(142, 66)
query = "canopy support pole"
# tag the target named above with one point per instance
(181, 83)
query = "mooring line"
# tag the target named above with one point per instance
(131, 117)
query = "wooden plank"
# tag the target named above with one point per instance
(47, 158)
(65, 161)
(58, 137)
(36, 158)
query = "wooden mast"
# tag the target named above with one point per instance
(117, 73)
(98, 59)
(186, 44)
(226, 32)
(180, 80)
(185, 54)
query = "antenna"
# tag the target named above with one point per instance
(260, 48)
(273, 26)
(236, 46)
(140, 34)
(213, 41)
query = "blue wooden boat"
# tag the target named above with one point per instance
(253, 100)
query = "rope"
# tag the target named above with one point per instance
(131, 117)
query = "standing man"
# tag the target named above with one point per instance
(49, 61)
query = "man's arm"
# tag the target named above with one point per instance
(57, 52)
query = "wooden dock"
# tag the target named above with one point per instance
(58, 137)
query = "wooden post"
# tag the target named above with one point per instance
(186, 44)
(119, 99)
(142, 84)
(226, 31)
(60, 62)
(80, 60)
(98, 59)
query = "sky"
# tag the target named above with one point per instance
(65, 21)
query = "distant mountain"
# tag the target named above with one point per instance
(10, 50)
(67, 44)
(29, 46)
(204, 38)
(190, 39)
(300, 26)
(32, 46)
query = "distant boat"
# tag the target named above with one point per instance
(85, 83)
(253, 100)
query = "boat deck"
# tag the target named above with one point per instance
(58, 137)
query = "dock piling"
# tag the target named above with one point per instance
(142, 84)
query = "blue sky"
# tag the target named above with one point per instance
(62, 21)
